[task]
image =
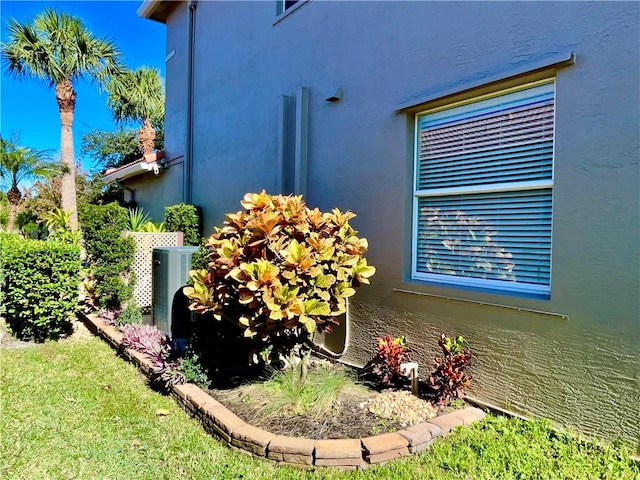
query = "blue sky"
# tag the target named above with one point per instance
(29, 107)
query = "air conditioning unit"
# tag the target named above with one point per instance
(171, 267)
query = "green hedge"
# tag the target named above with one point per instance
(109, 254)
(39, 283)
(184, 218)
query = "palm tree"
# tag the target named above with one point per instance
(59, 49)
(21, 163)
(138, 96)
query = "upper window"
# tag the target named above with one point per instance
(284, 5)
(483, 191)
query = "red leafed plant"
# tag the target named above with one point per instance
(449, 378)
(385, 366)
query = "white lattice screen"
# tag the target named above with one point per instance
(143, 262)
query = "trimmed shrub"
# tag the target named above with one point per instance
(449, 377)
(183, 218)
(384, 368)
(131, 315)
(200, 258)
(280, 271)
(39, 284)
(109, 254)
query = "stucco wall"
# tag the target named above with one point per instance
(584, 371)
(154, 192)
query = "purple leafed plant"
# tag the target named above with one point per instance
(167, 372)
(109, 315)
(155, 344)
(146, 339)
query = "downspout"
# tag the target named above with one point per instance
(188, 166)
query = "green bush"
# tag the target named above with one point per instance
(131, 315)
(200, 258)
(6, 240)
(109, 254)
(183, 218)
(39, 284)
(280, 271)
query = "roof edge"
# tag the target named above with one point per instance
(149, 163)
(158, 10)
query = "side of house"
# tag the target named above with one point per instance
(490, 151)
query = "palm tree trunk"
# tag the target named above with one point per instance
(13, 195)
(12, 217)
(147, 137)
(66, 96)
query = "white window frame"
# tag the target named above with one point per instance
(498, 286)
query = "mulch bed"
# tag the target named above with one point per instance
(352, 418)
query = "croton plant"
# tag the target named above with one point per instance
(280, 269)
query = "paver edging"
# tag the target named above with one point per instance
(346, 454)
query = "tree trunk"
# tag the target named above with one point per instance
(147, 137)
(66, 97)
(14, 196)
(12, 217)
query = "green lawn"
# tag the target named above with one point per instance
(73, 410)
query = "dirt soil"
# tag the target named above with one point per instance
(382, 412)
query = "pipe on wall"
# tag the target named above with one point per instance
(188, 159)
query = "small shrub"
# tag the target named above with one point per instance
(39, 284)
(151, 227)
(193, 371)
(449, 378)
(280, 271)
(57, 221)
(109, 315)
(30, 225)
(131, 315)
(200, 259)
(184, 218)
(109, 254)
(166, 370)
(167, 373)
(146, 339)
(319, 396)
(137, 220)
(385, 366)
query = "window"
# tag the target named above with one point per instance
(284, 5)
(483, 191)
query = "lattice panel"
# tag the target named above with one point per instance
(143, 262)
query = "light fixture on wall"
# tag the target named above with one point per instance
(335, 96)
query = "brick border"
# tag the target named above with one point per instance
(299, 452)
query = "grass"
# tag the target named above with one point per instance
(285, 393)
(73, 410)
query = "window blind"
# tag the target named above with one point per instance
(484, 177)
(502, 139)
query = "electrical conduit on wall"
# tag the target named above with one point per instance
(188, 165)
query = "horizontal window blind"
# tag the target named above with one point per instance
(503, 236)
(493, 160)
(505, 139)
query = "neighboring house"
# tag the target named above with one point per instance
(143, 183)
(490, 151)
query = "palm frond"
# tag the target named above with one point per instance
(137, 96)
(18, 163)
(55, 47)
